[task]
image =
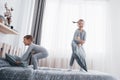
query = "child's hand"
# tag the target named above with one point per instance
(79, 45)
(82, 42)
(78, 38)
(17, 62)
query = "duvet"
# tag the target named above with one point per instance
(20, 73)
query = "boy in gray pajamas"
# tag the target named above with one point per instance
(34, 52)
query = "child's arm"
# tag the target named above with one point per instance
(81, 41)
(27, 53)
(76, 38)
(84, 38)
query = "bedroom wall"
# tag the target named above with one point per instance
(10, 39)
(115, 24)
(21, 19)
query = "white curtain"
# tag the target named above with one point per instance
(25, 23)
(58, 30)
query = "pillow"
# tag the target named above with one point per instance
(4, 63)
(13, 61)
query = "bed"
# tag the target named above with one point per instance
(20, 73)
(8, 72)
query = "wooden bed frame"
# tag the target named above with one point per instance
(6, 48)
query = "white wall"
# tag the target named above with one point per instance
(115, 24)
(21, 20)
(10, 38)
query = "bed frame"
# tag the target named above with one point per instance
(6, 48)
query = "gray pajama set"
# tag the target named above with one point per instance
(35, 52)
(78, 52)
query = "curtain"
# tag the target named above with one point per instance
(58, 30)
(37, 20)
(23, 18)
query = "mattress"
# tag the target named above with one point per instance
(19, 73)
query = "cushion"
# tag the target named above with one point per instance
(13, 61)
(4, 63)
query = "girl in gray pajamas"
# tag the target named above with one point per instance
(34, 52)
(78, 52)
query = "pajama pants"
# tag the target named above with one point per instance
(35, 57)
(73, 57)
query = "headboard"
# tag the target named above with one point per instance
(9, 49)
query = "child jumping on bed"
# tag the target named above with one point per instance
(78, 52)
(34, 52)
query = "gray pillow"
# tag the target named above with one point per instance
(13, 59)
(4, 63)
